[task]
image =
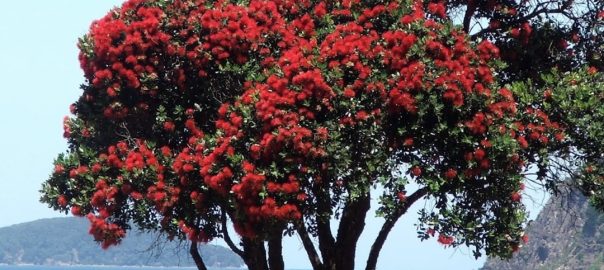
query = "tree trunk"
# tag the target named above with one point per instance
(349, 231)
(197, 257)
(275, 251)
(327, 243)
(254, 254)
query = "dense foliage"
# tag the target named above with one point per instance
(280, 116)
(65, 241)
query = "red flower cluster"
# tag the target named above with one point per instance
(107, 233)
(239, 108)
(522, 33)
(445, 240)
(536, 129)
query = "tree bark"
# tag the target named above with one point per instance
(313, 256)
(275, 251)
(467, 18)
(327, 243)
(197, 257)
(349, 231)
(254, 254)
(376, 248)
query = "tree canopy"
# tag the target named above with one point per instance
(281, 117)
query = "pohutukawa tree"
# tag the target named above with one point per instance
(279, 117)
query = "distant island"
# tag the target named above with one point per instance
(65, 241)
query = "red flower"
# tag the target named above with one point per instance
(136, 195)
(408, 142)
(189, 112)
(169, 126)
(188, 168)
(111, 92)
(320, 10)
(73, 173)
(592, 70)
(361, 115)
(255, 150)
(76, 211)
(515, 33)
(62, 201)
(223, 109)
(194, 195)
(451, 173)
(349, 93)
(96, 168)
(165, 151)
(401, 196)
(445, 240)
(416, 171)
(479, 154)
(516, 197)
(522, 141)
(248, 167)
(437, 9)
(59, 169)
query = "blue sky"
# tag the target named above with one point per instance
(39, 78)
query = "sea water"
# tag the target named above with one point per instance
(84, 267)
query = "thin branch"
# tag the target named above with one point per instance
(374, 253)
(313, 256)
(227, 237)
(536, 12)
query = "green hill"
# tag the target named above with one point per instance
(61, 241)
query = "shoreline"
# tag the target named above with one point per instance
(111, 266)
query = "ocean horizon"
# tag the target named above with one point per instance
(99, 267)
(106, 267)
